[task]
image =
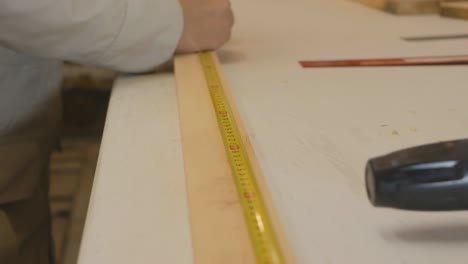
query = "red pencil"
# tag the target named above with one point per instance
(435, 60)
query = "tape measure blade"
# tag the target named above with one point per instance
(278, 236)
(219, 234)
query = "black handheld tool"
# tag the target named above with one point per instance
(431, 177)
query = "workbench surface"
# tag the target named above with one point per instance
(312, 129)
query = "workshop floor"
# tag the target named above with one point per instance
(72, 169)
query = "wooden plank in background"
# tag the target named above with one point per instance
(457, 9)
(404, 7)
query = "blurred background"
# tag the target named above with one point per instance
(86, 93)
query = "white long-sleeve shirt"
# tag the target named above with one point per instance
(37, 35)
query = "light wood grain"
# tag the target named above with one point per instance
(219, 231)
(403, 7)
(454, 9)
(218, 228)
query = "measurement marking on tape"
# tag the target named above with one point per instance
(262, 235)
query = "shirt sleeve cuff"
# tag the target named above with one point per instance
(148, 37)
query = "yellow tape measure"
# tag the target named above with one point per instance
(262, 235)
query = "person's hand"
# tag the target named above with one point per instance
(207, 25)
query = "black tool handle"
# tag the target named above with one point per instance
(430, 177)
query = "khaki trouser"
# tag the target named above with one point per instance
(25, 226)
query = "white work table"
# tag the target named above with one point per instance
(312, 129)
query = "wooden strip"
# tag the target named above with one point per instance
(404, 7)
(219, 231)
(285, 244)
(219, 234)
(455, 10)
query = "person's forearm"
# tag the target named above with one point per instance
(124, 35)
